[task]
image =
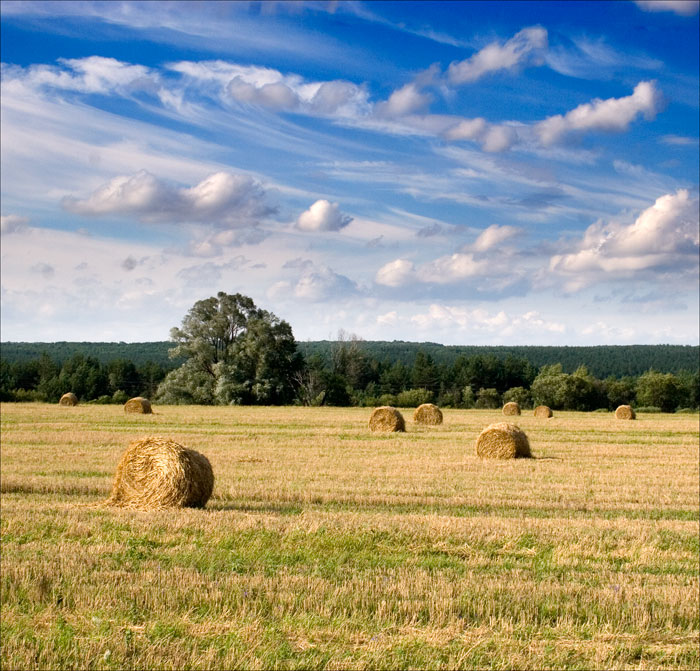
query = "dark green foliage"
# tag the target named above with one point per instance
(518, 395)
(663, 391)
(238, 363)
(488, 399)
(235, 353)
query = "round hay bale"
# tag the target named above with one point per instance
(543, 411)
(158, 473)
(68, 399)
(386, 418)
(625, 412)
(502, 441)
(511, 408)
(138, 404)
(427, 413)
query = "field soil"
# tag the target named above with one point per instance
(326, 546)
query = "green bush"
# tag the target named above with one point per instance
(412, 398)
(27, 396)
(388, 399)
(648, 408)
(687, 411)
(120, 397)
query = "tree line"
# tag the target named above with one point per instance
(229, 351)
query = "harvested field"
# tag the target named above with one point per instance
(327, 546)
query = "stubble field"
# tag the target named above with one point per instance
(325, 546)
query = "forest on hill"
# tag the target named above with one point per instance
(601, 360)
(350, 371)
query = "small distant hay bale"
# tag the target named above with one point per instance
(386, 418)
(502, 441)
(543, 411)
(68, 399)
(156, 473)
(139, 405)
(427, 413)
(511, 408)
(625, 412)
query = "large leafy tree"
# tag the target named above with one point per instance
(236, 353)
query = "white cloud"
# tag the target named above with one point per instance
(12, 223)
(499, 138)
(406, 100)
(467, 129)
(452, 268)
(267, 87)
(682, 7)
(663, 240)
(518, 50)
(222, 199)
(479, 320)
(396, 273)
(388, 319)
(680, 140)
(492, 236)
(613, 114)
(323, 216)
(315, 283)
(94, 74)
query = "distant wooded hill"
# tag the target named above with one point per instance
(602, 361)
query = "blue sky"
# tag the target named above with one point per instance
(462, 173)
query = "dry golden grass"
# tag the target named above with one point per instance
(326, 546)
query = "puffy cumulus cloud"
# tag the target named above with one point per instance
(663, 240)
(388, 318)
(494, 235)
(452, 268)
(323, 216)
(612, 115)
(492, 137)
(222, 199)
(13, 223)
(448, 317)
(276, 94)
(314, 283)
(406, 100)
(467, 129)
(519, 50)
(94, 74)
(267, 87)
(396, 273)
(682, 7)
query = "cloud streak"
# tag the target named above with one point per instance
(222, 199)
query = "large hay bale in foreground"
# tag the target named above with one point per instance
(386, 418)
(625, 412)
(68, 399)
(502, 441)
(139, 405)
(511, 408)
(158, 473)
(427, 413)
(543, 411)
